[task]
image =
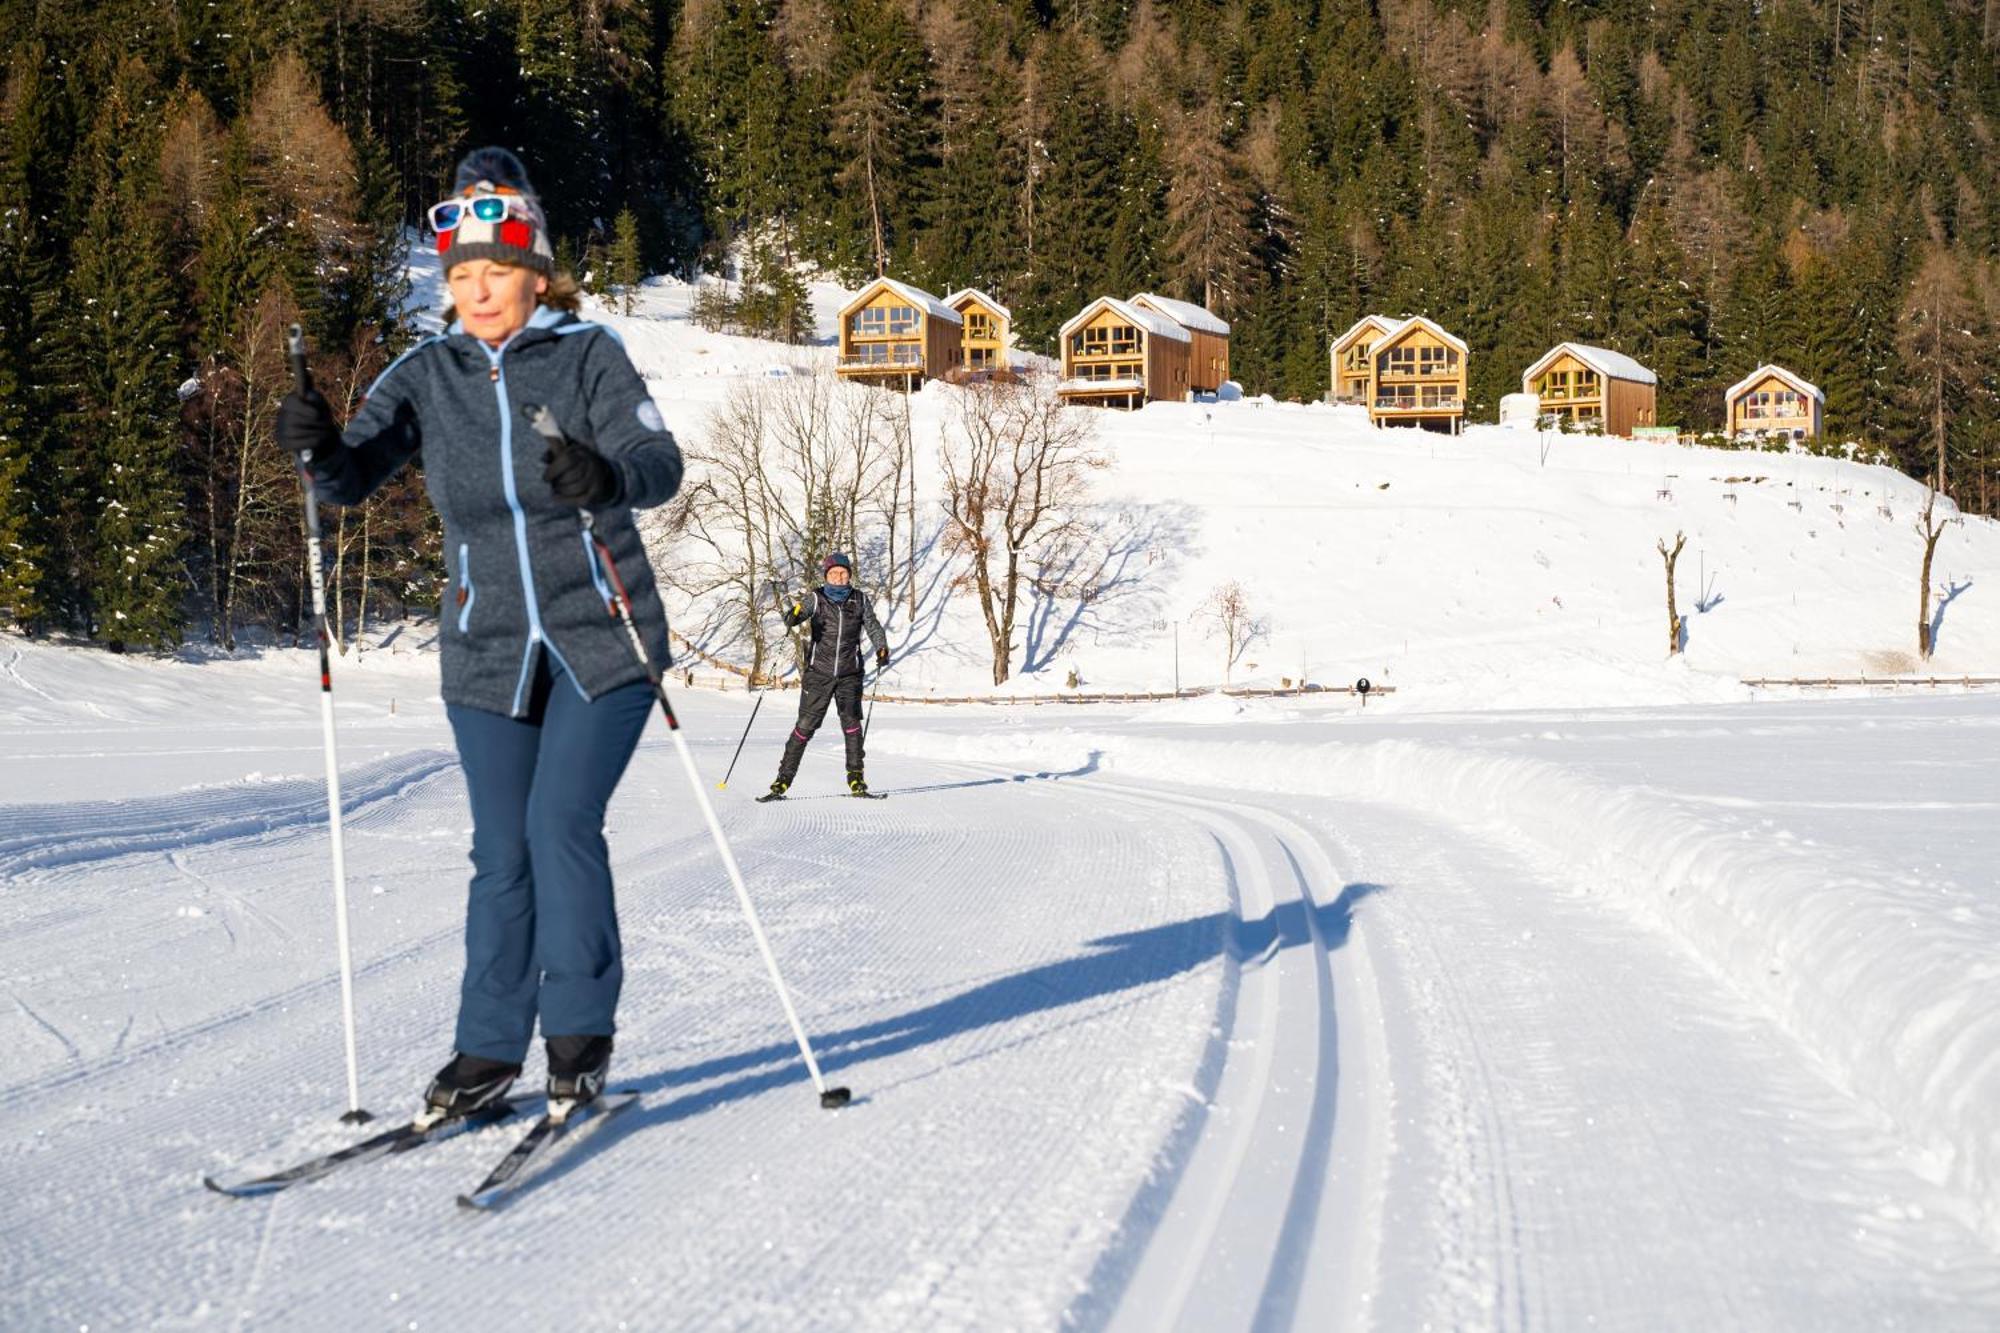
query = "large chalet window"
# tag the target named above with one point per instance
(1768, 403)
(977, 325)
(879, 321)
(1105, 340)
(1109, 370)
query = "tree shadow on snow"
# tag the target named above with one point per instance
(1951, 594)
(1111, 582)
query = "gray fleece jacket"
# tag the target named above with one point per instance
(523, 577)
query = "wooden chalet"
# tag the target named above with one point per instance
(1352, 369)
(1593, 387)
(1774, 401)
(1115, 354)
(1208, 337)
(988, 330)
(894, 333)
(1417, 377)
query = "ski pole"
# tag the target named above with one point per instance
(869, 720)
(724, 784)
(620, 609)
(295, 347)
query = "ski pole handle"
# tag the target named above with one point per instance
(295, 350)
(546, 426)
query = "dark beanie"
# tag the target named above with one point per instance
(837, 558)
(511, 240)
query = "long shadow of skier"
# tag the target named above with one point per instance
(1088, 767)
(1113, 965)
(1116, 964)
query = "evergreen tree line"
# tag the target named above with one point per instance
(1704, 184)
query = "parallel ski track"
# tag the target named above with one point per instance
(42, 837)
(1203, 1247)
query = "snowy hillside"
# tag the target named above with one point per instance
(1498, 569)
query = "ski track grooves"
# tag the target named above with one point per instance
(40, 837)
(1210, 1249)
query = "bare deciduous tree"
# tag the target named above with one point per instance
(1229, 607)
(1015, 469)
(1930, 528)
(1673, 610)
(787, 471)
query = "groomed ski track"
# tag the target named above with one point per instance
(1124, 1054)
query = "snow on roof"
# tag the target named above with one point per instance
(1150, 321)
(915, 296)
(1408, 322)
(1612, 365)
(1379, 323)
(985, 300)
(1744, 385)
(1185, 313)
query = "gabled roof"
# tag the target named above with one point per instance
(1612, 365)
(1379, 323)
(915, 296)
(1185, 313)
(1151, 321)
(1405, 325)
(1744, 385)
(974, 293)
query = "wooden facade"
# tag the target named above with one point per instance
(1352, 370)
(1593, 388)
(1117, 355)
(1774, 401)
(988, 331)
(1208, 339)
(1417, 378)
(893, 333)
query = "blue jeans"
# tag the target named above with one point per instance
(541, 923)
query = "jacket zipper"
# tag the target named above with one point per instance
(467, 594)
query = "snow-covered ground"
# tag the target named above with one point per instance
(1566, 988)
(1199, 1015)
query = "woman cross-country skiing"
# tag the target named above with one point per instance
(840, 614)
(545, 697)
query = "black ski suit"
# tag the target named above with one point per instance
(833, 671)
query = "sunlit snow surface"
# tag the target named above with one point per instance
(1206, 1015)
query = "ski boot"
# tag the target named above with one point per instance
(578, 1067)
(470, 1085)
(777, 792)
(857, 785)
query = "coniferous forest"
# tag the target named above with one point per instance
(1704, 184)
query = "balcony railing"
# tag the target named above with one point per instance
(889, 356)
(1412, 405)
(1418, 372)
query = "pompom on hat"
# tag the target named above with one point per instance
(521, 236)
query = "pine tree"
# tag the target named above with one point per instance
(123, 367)
(622, 261)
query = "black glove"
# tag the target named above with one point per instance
(579, 476)
(881, 657)
(305, 426)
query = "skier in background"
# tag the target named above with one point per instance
(545, 697)
(840, 614)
